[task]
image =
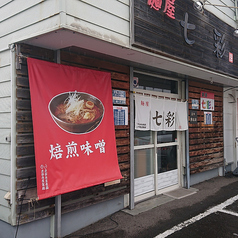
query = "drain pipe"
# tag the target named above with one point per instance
(12, 48)
(187, 143)
(131, 195)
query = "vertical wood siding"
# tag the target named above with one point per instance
(206, 141)
(25, 143)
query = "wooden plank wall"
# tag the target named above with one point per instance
(26, 173)
(206, 141)
(155, 32)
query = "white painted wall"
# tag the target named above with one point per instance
(224, 13)
(106, 20)
(20, 20)
(5, 120)
(229, 112)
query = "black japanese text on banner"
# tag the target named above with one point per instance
(158, 114)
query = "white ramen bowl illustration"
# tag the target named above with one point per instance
(76, 112)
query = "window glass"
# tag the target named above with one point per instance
(167, 158)
(143, 137)
(149, 82)
(144, 162)
(166, 136)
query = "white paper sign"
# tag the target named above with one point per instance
(142, 112)
(160, 114)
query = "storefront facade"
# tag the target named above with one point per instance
(181, 57)
(179, 31)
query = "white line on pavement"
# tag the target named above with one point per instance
(229, 212)
(198, 217)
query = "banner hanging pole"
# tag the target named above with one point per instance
(58, 216)
(58, 198)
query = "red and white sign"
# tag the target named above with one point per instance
(207, 101)
(169, 8)
(230, 57)
(74, 134)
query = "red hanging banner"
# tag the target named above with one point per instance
(73, 126)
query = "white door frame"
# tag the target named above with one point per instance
(155, 145)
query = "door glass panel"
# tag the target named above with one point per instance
(143, 138)
(167, 158)
(144, 162)
(166, 136)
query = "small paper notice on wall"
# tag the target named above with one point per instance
(193, 117)
(195, 104)
(119, 97)
(208, 118)
(120, 116)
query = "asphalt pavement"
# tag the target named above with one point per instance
(210, 210)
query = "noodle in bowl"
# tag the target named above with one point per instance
(76, 112)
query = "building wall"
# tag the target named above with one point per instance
(224, 13)
(25, 161)
(24, 19)
(229, 113)
(108, 21)
(206, 147)
(21, 20)
(5, 125)
(155, 30)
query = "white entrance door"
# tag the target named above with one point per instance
(156, 160)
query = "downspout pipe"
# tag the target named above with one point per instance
(131, 196)
(187, 143)
(13, 134)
